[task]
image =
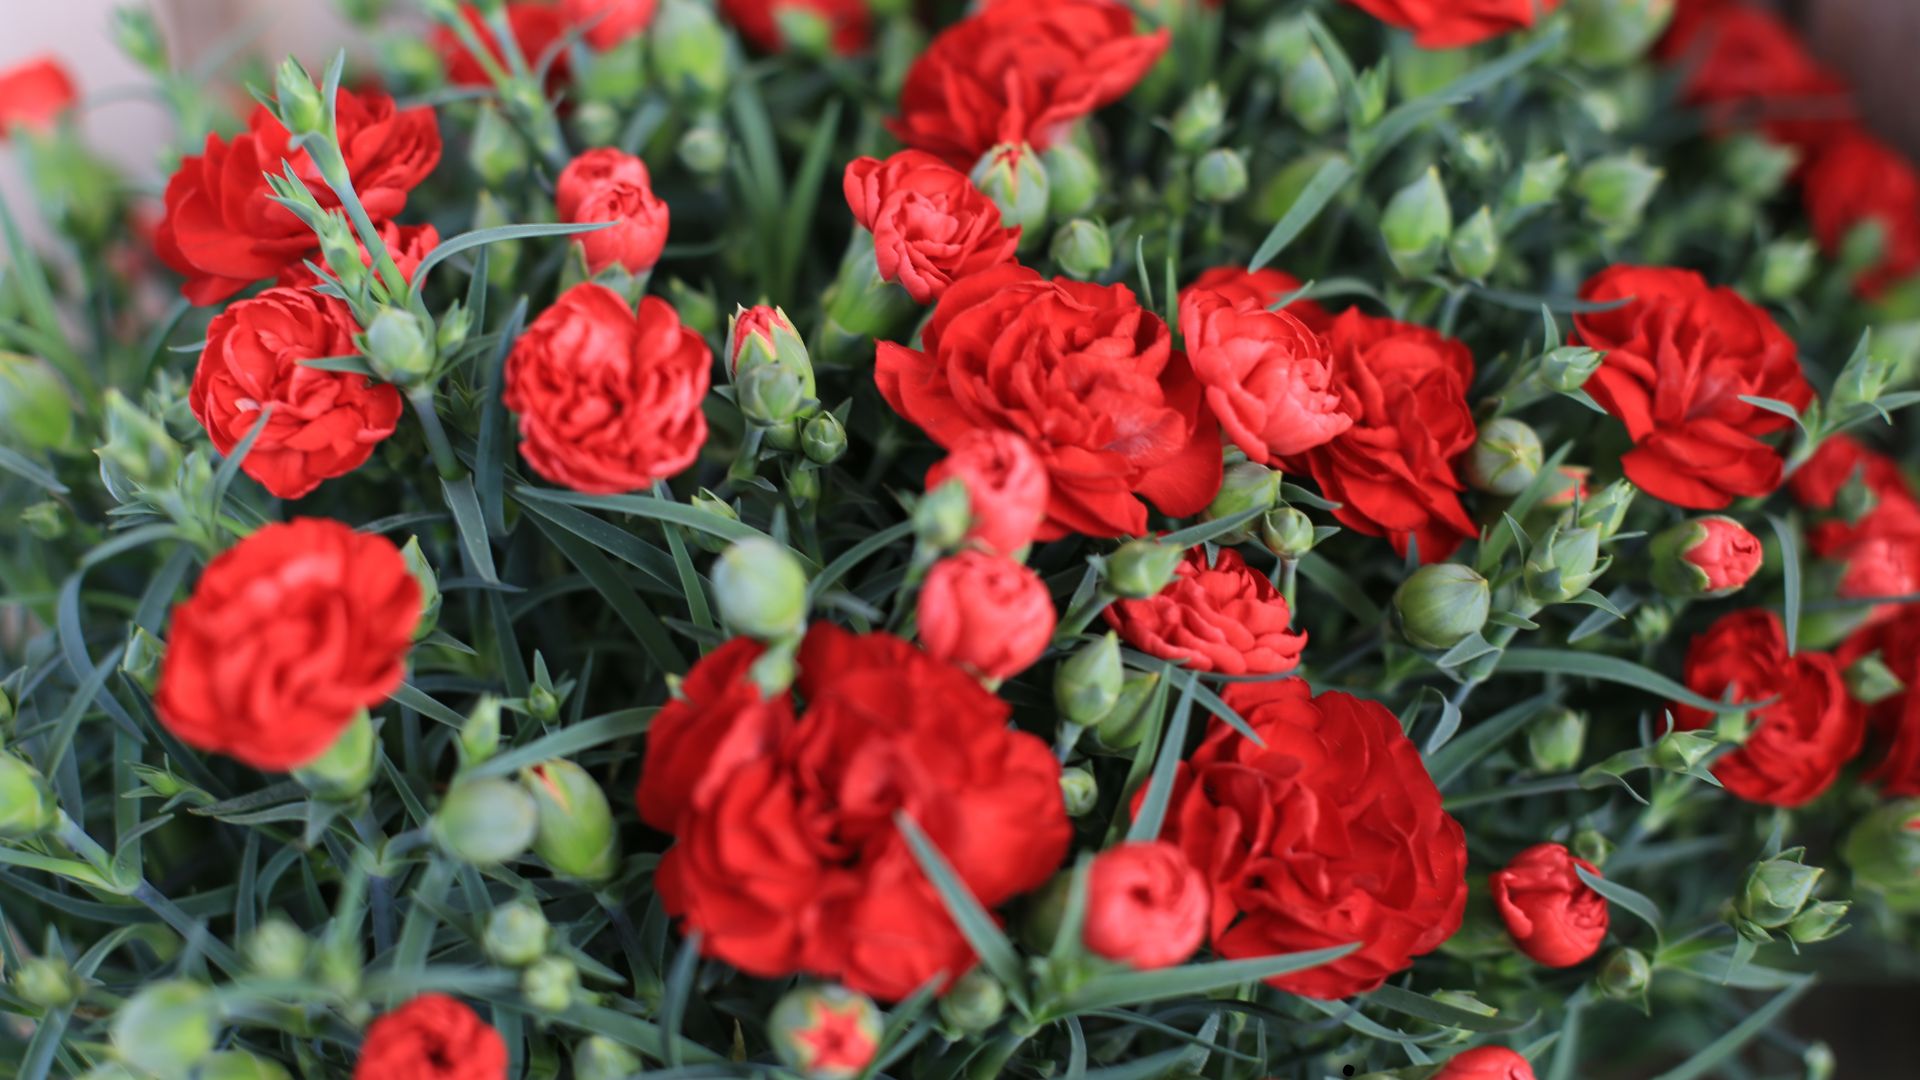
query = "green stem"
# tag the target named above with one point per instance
(1548, 785)
(325, 152)
(444, 459)
(1079, 618)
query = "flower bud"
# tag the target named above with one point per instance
(1561, 566)
(823, 439)
(1616, 190)
(575, 834)
(1626, 975)
(1284, 42)
(1818, 921)
(1082, 249)
(1416, 225)
(550, 984)
(710, 503)
(1141, 568)
(1593, 846)
(495, 151)
(485, 821)
(1220, 176)
(1126, 725)
(1200, 120)
(1013, 177)
(1370, 92)
(517, 934)
(423, 576)
(1288, 532)
(698, 310)
(47, 981)
(1505, 459)
(1775, 891)
(974, 1004)
(1073, 180)
(1861, 381)
(34, 407)
(1245, 486)
(399, 348)
(1474, 248)
(1079, 790)
(762, 589)
(1556, 740)
(1883, 851)
(344, 769)
(238, 1065)
(1819, 1061)
(166, 1027)
(703, 150)
(1481, 153)
(1709, 556)
(1568, 368)
(689, 52)
(277, 949)
(943, 515)
(1609, 33)
(1442, 604)
(1044, 908)
(1870, 681)
(1606, 510)
(600, 1058)
(137, 34)
(300, 108)
(1086, 685)
(1755, 165)
(1785, 268)
(1538, 183)
(141, 660)
(1682, 751)
(825, 1032)
(1311, 94)
(27, 806)
(480, 735)
(47, 520)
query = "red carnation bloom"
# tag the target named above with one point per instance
(406, 244)
(609, 23)
(1085, 374)
(1881, 548)
(1839, 459)
(605, 184)
(718, 722)
(930, 224)
(1728, 554)
(1268, 377)
(222, 229)
(1799, 742)
(608, 399)
(536, 29)
(1146, 905)
(986, 613)
(1856, 179)
(289, 633)
(1894, 722)
(1680, 356)
(1392, 472)
(323, 423)
(1020, 73)
(1486, 1063)
(1006, 487)
(793, 862)
(1332, 833)
(1260, 288)
(1555, 918)
(1447, 24)
(33, 94)
(1749, 68)
(849, 22)
(1223, 617)
(432, 1037)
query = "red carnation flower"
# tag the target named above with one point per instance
(1799, 742)
(608, 399)
(986, 613)
(1085, 374)
(323, 424)
(930, 224)
(1006, 487)
(1894, 722)
(1555, 918)
(1856, 179)
(1276, 830)
(1146, 905)
(1268, 377)
(1680, 356)
(718, 722)
(1839, 460)
(536, 29)
(1020, 73)
(609, 23)
(849, 22)
(1486, 1063)
(288, 634)
(605, 184)
(432, 1037)
(792, 863)
(33, 94)
(1261, 288)
(1749, 68)
(222, 229)
(1728, 554)
(1223, 617)
(1447, 24)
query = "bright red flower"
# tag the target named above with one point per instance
(288, 634)
(1265, 288)
(608, 398)
(323, 423)
(717, 722)
(33, 94)
(1006, 487)
(849, 22)
(1881, 551)
(1894, 722)
(1268, 377)
(1146, 905)
(1554, 917)
(1749, 68)
(1447, 24)
(1728, 554)
(1799, 742)
(407, 244)
(609, 22)
(1223, 617)
(986, 613)
(1486, 1063)
(536, 29)
(930, 224)
(1020, 72)
(1680, 356)
(432, 1037)
(1085, 374)
(1840, 459)
(794, 864)
(605, 184)
(223, 231)
(1332, 833)
(1855, 179)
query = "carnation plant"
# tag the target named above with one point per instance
(1071, 539)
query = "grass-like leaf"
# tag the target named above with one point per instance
(1121, 988)
(1328, 182)
(1637, 903)
(975, 923)
(1153, 806)
(1609, 669)
(1722, 1049)
(1790, 580)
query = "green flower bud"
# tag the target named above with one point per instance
(825, 1032)
(1538, 183)
(1245, 486)
(1755, 165)
(1682, 751)
(1043, 910)
(277, 949)
(823, 439)
(615, 77)
(1818, 921)
(1481, 153)
(1593, 846)
(1775, 891)
(1606, 510)
(166, 1027)
(575, 835)
(698, 310)
(1561, 566)
(238, 1065)
(1419, 72)
(1883, 851)
(1311, 94)
(485, 821)
(703, 150)
(1141, 568)
(141, 660)
(1086, 685)
(517, 934)
(137, 34)
(713, 504)
(761, 589)
(480, 735)
(600, 1058)
(399, 347)
(27, 806)
(1014, 178)
(1861, 381)
(771, 396)
(35, 410)
(1785, 268)
(429, 583)
(1556, 740)
(1417, 224)
(1082, 249)
(1284, 42)
(344, 769)
(1609, 33)
(1220, 176)
(1442, 604)
(1505, 459)
(1568, 368)
(495, 151)
(975, 1003)
(772, 373)
(47, 520)
(1200, 120)
(1819, 1061)
(804, 30)
(1870, 681)
(942, 516)
(1073, 180)
(689, 52)
(1616, 190)
(1626, 975)
(550, 984)
(1126, 725)
(1080, 791)
(300, 108)
(1474, 248)
(47, 981)
(1864, 247)
(1288, 532)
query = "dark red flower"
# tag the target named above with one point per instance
(1146, 905)
(1555, 918)
(1447, 24)
(432, 1037)
(605, 184)
(1894, 722)
(1223, 617)
(1748, 68)
(536, 29)
(849, 22)
(1838, 460)
(930, 224)
(1857, 179)
(33, 93)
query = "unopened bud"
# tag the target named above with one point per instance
(1819, 1061)
(1709, 556)
(1818, 921)
(1442, 604)
(943, 515)
(344, 769)
(1556, 740)
(1870, 681)
(707, 501)
(1086, 685)
(47, 981)
(399, 348)
(1616, 190)
(277, 949)
(1481, 153)
(761, 589)
(1126, 725)
(34, 407)
(1606, 510)
(1200, 120)
(1079, 790)
(825, 1032)
(1073, 180)
(1785, 268)
(1755, 165)
(600, 1058)
(975, 1003)
(429, 582)
(1609, 33)
(689, 56)
(1883, 851)
(1141, 568)
(1568, 368)
(1220, 176)
(1082, 248)
(138, 35)
(166, 1027)
(1311, 94)
(1539, 182)
(1682, 751)
(1775, 891)
(1474, 248)
(480, 735)
(1014, 178)
(1626, 975)
(1593, 846)
(1416, 225)
(141, 661)
(575, 834)
(486, 821)
(517, 934)
(823, 439)
(495, 151)
(550, 984)
(1245, 486)
(1563, 564)
(1505, 459)
(1861, 381)
(301, 110)
(1287, 532)
(27, 806)
(703, 150)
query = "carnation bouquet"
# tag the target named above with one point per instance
(1032, 538)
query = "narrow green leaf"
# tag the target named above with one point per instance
(1790, 577)
(348, 365)
(1194, 535)
(1720, 1050)
(1447, 763)
(1410, 116)
(1425, 1008)
(1326, 183)
(656, 509)
(1327, 576)
(1608, 669)
(568, 741)
(856, 555)
(975, 923)
(447, 249)
(1642, 908)
(647, 628)
(1116, 989)
(411, 696)
(471, 524)
(26, 469)
(1153, 806)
